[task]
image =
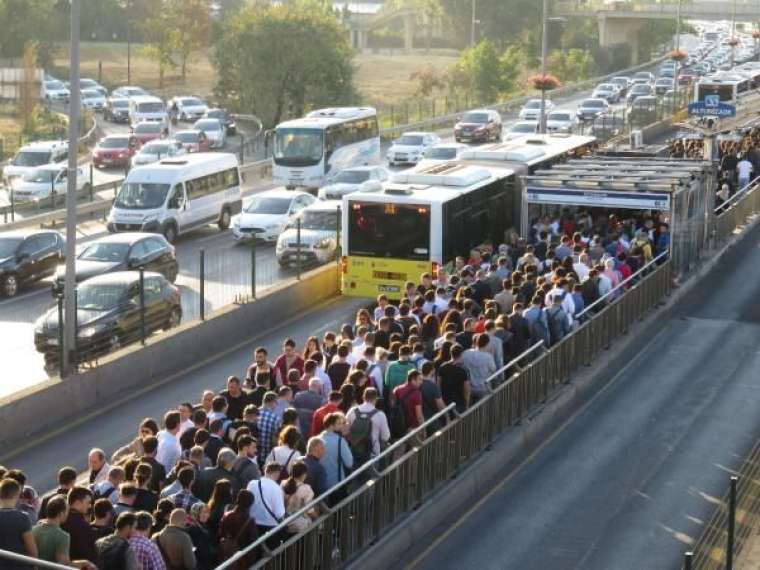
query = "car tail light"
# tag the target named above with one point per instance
(344, 264)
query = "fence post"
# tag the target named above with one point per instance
(253, 268)
(142, 306)
(52, 192)
(92, 177)
(731, 524)
(61, 371)
(13, 205)
(338, 247)
(298, 248)
(203, 284)
(687, 560)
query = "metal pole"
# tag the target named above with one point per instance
(60, 335)
(13, 205)
(687, 560)
(733, 34)
(678, 47)
(338, 248)
(69, 292)
(731, 524)
(129, 42)
(298, 248)
(203, 285)
(91, 179)
(142, 305)
(544, 54)
(253, 269)
(52, 192)
(472, 24)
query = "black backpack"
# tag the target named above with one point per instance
(397, 418)
(360, 435)
(114, 556)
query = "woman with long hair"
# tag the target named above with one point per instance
(348, 391)
(286, 453)
(221, 499)
(237, 531)
(431, 330)
(363, 319)
(297, 495)
(443, 355)
(454, 317)
(311, 346)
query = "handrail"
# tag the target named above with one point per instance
(733, 200)
(319, 500)
(623, 283)
(32, 562)
(511, 363)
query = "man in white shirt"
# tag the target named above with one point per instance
(268, 507)
(745, 172)
(382, 303)
(321, 374)
(169, 450)
(568, 305)
(581, 267)
(380, 433)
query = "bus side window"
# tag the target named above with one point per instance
(178, 197)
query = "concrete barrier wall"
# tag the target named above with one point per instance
(53, 403)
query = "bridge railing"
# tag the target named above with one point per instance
(690, 9)
(408, 473)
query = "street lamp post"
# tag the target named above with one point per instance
(544, 53)
(678, 48)
(733, 35)
(472, 23)
(69, 292)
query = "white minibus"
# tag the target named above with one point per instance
(147, 108)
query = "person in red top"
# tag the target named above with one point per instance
(288, 360)
(411, 399)
(332, 405)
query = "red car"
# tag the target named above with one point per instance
(193, 140)
(148, 131)
(115, 150)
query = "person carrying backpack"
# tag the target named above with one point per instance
(406, 406)
(396, 374)
(114, 551)
(368, 430)
(559, 325)
(537, 322)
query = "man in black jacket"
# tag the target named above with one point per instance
(204, 484)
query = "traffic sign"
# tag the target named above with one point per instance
(712, 107)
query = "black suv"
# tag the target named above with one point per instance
(109, 314)
(120, 252)
(28, 256)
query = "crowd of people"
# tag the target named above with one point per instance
(212, 478)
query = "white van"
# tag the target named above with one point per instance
(179, 194)
(33, 155)
(147, 108)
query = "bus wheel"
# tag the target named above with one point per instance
(224, 220)
(170, 233)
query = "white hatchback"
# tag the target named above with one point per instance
(351, 180)
(410, 148)
(40, 183)
(531, 111)
(265, 215)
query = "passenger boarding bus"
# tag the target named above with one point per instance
(526, 156)
(176, 195)
(420, 219)
(310, 151)
(728, 88)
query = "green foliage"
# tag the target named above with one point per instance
(505, 22)
(571, 65)
(160, 37)
(486, 73)
(25, 21)
(280, 60)
(428, 80)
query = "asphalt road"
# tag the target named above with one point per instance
(112, 428)
(629, 482)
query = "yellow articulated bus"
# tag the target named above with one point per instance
(419, 220)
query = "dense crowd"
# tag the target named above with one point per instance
(215, 476)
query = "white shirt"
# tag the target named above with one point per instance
(168, 451)
(183, 427)
(582, 270)
(568, 305)
(745, 168)
(266, 491)
(380, 430)
(322, 376)
(285, 456)
(376, 373)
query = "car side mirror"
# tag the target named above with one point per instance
(133, 261)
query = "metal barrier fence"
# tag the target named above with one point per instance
(733, 521)
(390, 490)
(32, 563)
(734, 212)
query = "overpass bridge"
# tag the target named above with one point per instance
(620, 22)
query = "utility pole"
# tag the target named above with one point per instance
(129, 42)
(544, 54)
(678, 47)
(733, 35)
(69, 300)
(472, 23)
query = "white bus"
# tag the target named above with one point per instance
(727, 87)
(421, 219)
(178, 194)
(146, 108)
(308, 152)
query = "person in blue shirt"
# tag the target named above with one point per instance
(338, 459)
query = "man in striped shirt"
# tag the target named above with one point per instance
(147, 553)
(185, 499)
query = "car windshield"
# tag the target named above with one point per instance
(268, 205)
(152, 107)
(592, 103)
(41, 175)
(186, 137)
(352, 176)
(120, 104)
(105, 252)
(114, 142)
(319, 220)
(559, 117)
(642, 75)
(141, 196)
(523, 128)
(90, 94)
(8, 246)
(31, 158)
(209, 125)
(475, 118)
(215, 115)
(86, 83)
(605, 87)
(410, 140)
(620, 81)
(99, 297)
(191, 102)
(133, 91)
(442, 153)
(150, 128)
(54, 85)
(161, 148)
(641, 89)
(298, 147)
(535, 104)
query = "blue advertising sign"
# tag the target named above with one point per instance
(712, 107)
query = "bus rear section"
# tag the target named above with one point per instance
(419, 221)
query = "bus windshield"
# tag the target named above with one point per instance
(298, 147)
(399, 231)
(141, 196)
(725, 91)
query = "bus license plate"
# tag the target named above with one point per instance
(388, 288)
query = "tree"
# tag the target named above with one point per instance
(192, 22)
(24, 21)
(506, 22)
(278, 60)
(484, 73)
(571, 65)
(428, 80)
(160, 36)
